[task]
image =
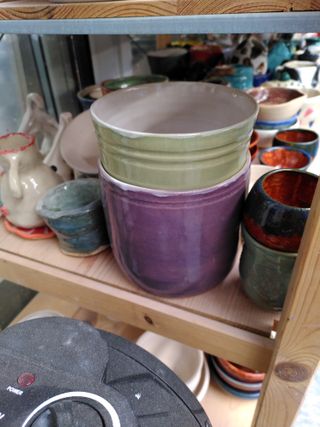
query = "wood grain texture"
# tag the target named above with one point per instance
(35, 9)
(124, 301)
(297, 350)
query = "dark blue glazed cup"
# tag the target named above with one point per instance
(73, 210)
(277, 208)
(265, 273)
(285, 157)
(304, 139)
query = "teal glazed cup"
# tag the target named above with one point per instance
(265, 273)
(176, 136)
(73, 210)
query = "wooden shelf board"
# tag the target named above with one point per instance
(220, 320)
(35, 9)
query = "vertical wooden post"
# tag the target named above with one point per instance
(297, 348)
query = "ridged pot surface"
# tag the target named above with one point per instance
(174, 136)
(175, 243)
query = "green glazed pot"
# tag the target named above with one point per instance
(265, 273)
(174, 136)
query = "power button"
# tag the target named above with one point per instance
(26, 379)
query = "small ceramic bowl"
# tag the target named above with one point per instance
(237, 393)
(285, 157)
(88, 95)
(239, 372)
(277, 208)
(74, 212)
(130, 81)
(186, 362)
(276, 103)
(304, 139)
(265, 273)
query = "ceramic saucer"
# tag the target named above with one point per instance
(79, 145)
(36, 233)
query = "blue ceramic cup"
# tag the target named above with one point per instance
(73, 210)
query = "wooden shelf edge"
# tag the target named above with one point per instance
(24, 10)
(243, 347)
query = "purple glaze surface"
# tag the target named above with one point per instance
(174, 243)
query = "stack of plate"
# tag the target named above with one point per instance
(188, 363)
(235, 379)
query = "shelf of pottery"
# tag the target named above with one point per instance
(161, 174)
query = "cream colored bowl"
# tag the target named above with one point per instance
(186, 362)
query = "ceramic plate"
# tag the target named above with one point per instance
(234, 392)
(232, 382)
(79, 145)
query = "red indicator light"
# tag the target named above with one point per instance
(26, 379)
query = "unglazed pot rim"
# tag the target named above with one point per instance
(48, 213)
(247, 235)
(168, 193)
(30, 140)
(266, 175)
(135, 134)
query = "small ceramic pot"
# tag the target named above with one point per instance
(303, 139)
(175, 243)
(171, 62)
(276, 103)
(267, 133)
(265, 273)
(74, 211)
(175, 136)
(88, 95)
(285, 157)
(304, 71)
(130, 81)
(277, 208)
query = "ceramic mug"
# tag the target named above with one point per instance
(74, 211)
(265, 273)
(278, 206)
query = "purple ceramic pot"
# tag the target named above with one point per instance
(175, 243)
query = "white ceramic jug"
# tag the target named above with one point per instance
(25, 180)
(305, 71)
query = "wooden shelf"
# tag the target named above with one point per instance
(140, 8)
(222, 321)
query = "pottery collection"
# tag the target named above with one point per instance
(25, 181)
(74, 211)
